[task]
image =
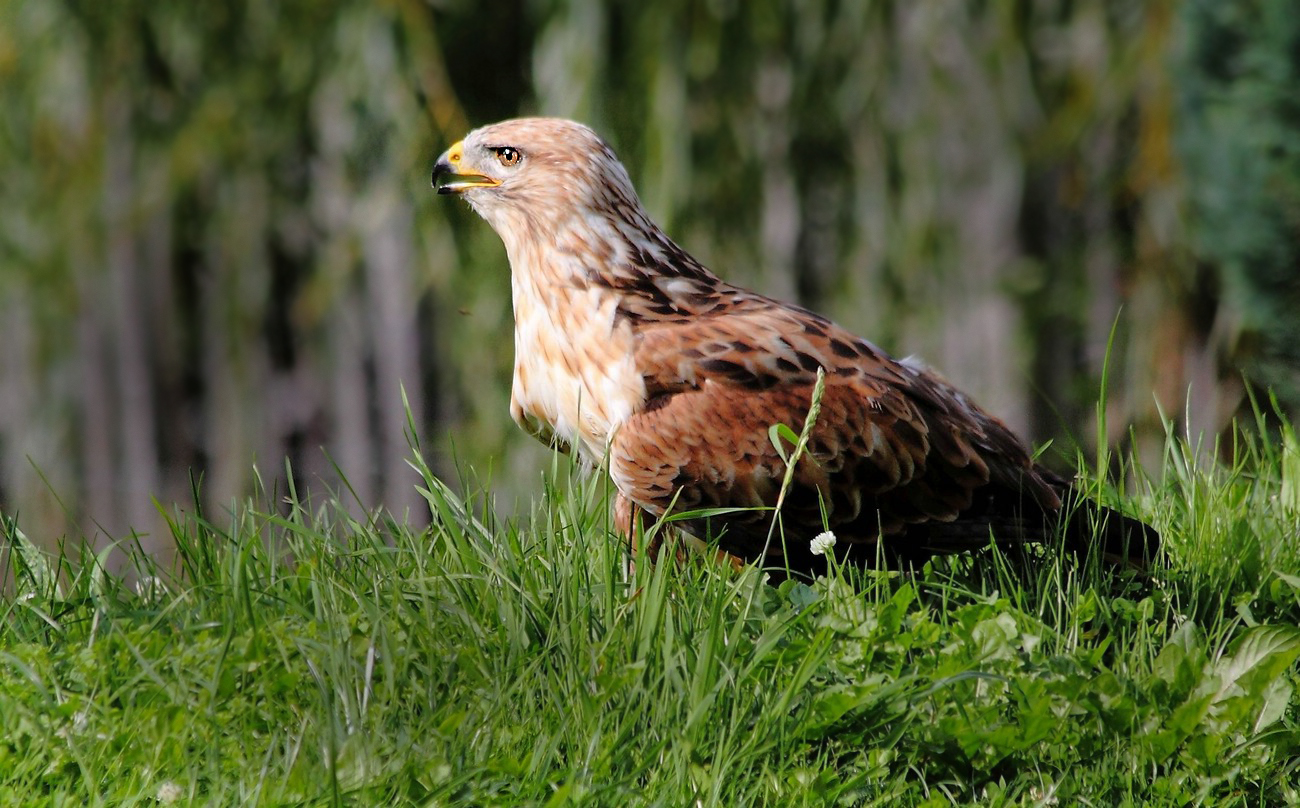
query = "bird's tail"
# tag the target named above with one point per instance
(1122, 540)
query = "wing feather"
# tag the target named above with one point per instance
(894, 449)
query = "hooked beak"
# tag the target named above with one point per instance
(448, 178)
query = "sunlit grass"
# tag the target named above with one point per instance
(298, 654)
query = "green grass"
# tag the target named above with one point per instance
(297, 655)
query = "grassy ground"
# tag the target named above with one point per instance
(299, 656)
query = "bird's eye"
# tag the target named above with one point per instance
(508, 156)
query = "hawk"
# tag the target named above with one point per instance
(632, 353)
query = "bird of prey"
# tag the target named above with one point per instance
(632, 353)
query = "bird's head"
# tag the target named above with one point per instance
(526, 171)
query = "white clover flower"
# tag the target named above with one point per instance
(822, 542)
(169, 793)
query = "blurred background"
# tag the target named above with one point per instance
(219, 249)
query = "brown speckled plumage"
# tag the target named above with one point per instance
(628, 349)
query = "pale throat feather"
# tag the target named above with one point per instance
(574, 375)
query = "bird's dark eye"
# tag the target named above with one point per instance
(508, 156)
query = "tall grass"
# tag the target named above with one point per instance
(297, 654)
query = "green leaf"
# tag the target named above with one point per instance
(1289, 496)
(801, 595)
(1276, 698)
(38, 570)
(1182, 661)
(1292, 581)
(779, 432)
(1260, 656)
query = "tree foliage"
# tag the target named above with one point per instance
(1240, 140)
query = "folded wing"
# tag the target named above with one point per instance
(895, 454)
